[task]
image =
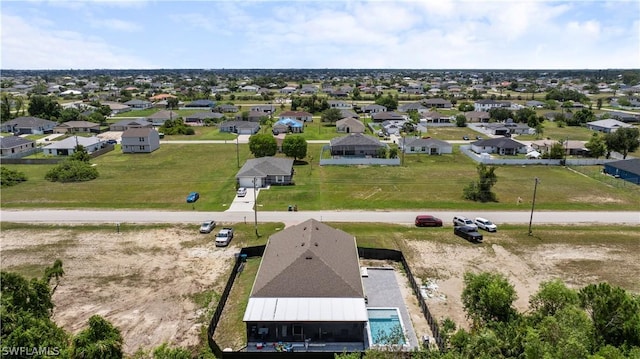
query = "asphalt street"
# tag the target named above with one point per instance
(291, 218)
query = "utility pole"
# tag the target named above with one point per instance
(533, 203)
(237, 152)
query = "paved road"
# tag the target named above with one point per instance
(290, 218)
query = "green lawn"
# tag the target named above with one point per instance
(163, 178)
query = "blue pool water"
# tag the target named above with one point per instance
(382, 322)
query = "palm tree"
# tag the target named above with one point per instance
(56, 272)
(100, 340)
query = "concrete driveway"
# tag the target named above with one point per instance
(244, 204)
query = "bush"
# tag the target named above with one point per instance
(72, 171)
(10, 177)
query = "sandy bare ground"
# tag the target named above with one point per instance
(143, 281)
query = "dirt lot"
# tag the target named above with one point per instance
(143, 281)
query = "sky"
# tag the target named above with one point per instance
(428, 34)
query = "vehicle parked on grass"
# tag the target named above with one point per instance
(241, 192)
(469, 233)
(426, 220)
(224, 237)
(193, 197)
(485, 224)
(466, 138)
(464, 221)
(208, 226)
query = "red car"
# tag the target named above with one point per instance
(428, 221)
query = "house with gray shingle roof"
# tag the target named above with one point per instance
(140, 140)
(500, 145)
(266, 171)
(608, 125)
(14, 146)
(308, 287)
(225, 108)
(28, 125)
(430, 146)
(139, 104)
(77, 127)
(126, 124)
(200, 118)
(350, 125)
(159, 118)
(356, 145)
(240, 127)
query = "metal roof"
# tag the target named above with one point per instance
(306, 310)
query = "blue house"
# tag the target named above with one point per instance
(628, 170)
(286, 125)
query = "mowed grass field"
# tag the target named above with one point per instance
(162, 179)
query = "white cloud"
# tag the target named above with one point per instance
(115, 24)
(26, 46)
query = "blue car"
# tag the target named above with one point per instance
(192, 197)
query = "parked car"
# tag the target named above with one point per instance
(193, 197)
(426, 220)
(241, 192)
(469, 233)
(478, 137)
(466, 138)
(464, 221)
(224, 237)
(485, 224)
(207, 226)
(112, 142)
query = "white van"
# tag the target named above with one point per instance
(486, 224)
(463, 221)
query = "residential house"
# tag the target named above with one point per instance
(126, 124)
(628, 170)
(226, 108)
(413, 107)
(200, 118)
(393, 127)
(28, 125)
(436, 117)
(309, 89)
(500, 145)
(14, 146)
(437, 103)
(161, 97)
(159, 118)
(297, 115)
(67, 147)
(607, 126)
(249, 88)
(201, 104)
(348, 113)
(287, 90)
(140, 140)
(264, 109)
(308, 289)
(386, 116)
(427, 145)
(486, 105)
(624, 116)
(77, 127)
(572, 148)
(288, 125)
(477, 116)
(340, 105)
(374, 108)
(535, 104)
(138, 104)
(356, 145)
(253, 116)
(265, 171)
(117, 107)
(350, 125)
(240, 127)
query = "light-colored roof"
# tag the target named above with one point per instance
(306, 310)
(266, 166)
(78, 124)
(164, 115)
(356, 139)
(138, 132)
(609, 123)
(71, 142)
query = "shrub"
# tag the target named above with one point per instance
(9, 177)
(72, 171)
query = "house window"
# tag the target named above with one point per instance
(141, 139)
(142, 148)
(412, 149)
(424, 149)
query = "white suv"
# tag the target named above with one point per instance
(486, 224)
(463, 221)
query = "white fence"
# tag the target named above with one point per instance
(349, 161)
(519, 161)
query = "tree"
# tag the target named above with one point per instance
(262, 145)
(6, 102)
(56, 271)
(556, 152)
(295, 146)
(165, 352)
(488, 297)
(393, 152)
(481, 189)
(615, 314)
(539, 130)
(623, 140)
(551, 297)
(176, 127)
(526, 115)
(9, 177)
(44, 107)
(599, 103)
(331, 115)
(390, 102)
(596, 146)
(500, 114)
(465, 107)
(461, 120)
(581, 117)
(355, 94)
(72, 170)
(172, 103)
(100, 340)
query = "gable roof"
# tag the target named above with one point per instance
(426, 142)
(138, 132)
(498, 142)
(71, 142)
(240, 124)
(356, 139)
(266, 166)
(310, 259)
(609, 123)
(349, 121)
(13, 141)
(204, 115)
(295, 114)
(137, 122)
(79, 124)
(164, 115)
(29, 121)
(289, 122)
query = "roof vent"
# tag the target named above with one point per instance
(308, 257)
(302, 244)
(315, 244)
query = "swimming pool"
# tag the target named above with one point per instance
(382, 322)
